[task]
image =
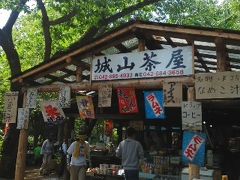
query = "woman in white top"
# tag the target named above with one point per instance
(79, 151)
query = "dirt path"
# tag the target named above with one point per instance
(32, 173)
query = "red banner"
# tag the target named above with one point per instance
(127, 100)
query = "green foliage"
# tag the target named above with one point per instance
(79, 126)
(202, 13)
(97, 131)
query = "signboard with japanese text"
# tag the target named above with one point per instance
(65, 97)
(193, 148)
(154, 101)
(23, 118)
(10, 107)
(127, 100)
(145, 64)
(217, 85)
(31, 98)
(191, 115)
(85, 107)
(172, 94)
(52, 113)
(104, 95)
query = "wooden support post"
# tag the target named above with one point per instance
(141, 45)
(22, 151)
(21, 155)
(194, 170)
(78, 74)
(223, 63)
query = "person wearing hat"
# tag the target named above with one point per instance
(79, 151)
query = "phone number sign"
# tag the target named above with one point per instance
(146, 64)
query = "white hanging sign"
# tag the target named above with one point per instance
(172, 94)
(31, 99)
(191, 115)
(23, 118)
(65, 97)
(217, 85)
(104, 96)
(10, 107)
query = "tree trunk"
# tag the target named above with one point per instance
(9, 153)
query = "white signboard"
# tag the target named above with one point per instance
(146, 64)
(191, 115)
(104, 96)
(10, 107)
(65, 97)
(31, 99)
(23, 118)
(217, 85)
(172, 94)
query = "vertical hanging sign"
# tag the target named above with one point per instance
(52, 113)
(10, 107)
(23, 118)
(191, 115)
(31, 99)
(104, 96)
(65, 97)
(154, 104)
(85, 107)
(193, 148)
(172, 94)
(127, 100)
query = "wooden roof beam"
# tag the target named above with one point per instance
(190, 31)
(137, 83)
(178, 35)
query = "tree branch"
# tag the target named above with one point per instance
(13, 16)
(104, 22)
(12, 56)
(46, 30)
(127, 11)
(63, 19)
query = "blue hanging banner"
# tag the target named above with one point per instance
(193, 148)
(154, 104)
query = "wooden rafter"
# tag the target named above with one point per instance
(68, 71)
(122, 48)
(54, 78)
(170, 42)
(150, 42)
